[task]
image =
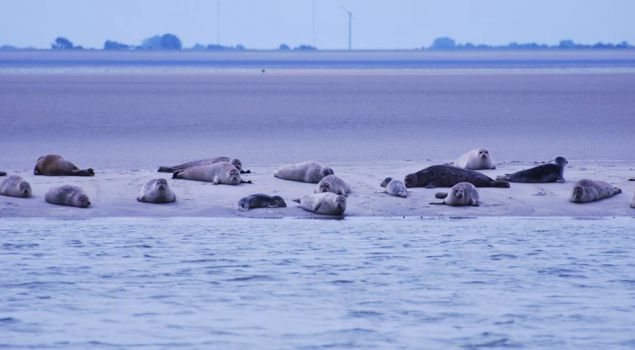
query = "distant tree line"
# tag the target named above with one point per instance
(449, 44)
(172, 42)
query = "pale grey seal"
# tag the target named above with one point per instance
(217, 173)
(156, 191)
(325, 203)
(476, 159)
(585, 191)
(310, 171)
(235, 162)
(394, 187)
(551, 172)
(333, 184)
(68, 195)
(448, 176)
(56, 165)
(461, 194)
(15, 186)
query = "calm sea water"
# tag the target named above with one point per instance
(356, 283)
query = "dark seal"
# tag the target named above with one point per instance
(551, 172)
(261, 201)
(2, 173)
(448, 176)
(56, 165)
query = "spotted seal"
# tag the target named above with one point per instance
(585, 191)
(332, 183)
(68, 195)
(461, 194)
(448, 176)
(15, 186)
(394, 187)
(217, 173)
(325, 203)
(260, 200)
(551, 172)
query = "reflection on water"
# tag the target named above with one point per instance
(360, 283)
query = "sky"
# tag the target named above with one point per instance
(265, 24)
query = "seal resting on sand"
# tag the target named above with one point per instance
(260, 200)
(394, 187)
(633, 201)
(235, 162)
(156, 191)
(585, 191)
(552, 172)
(2, 173)
(56, 165)
(310, 172)
(15, 186)
(217, 173)
(325, 203)
(476, 159)
(333, 184)
(448, 176)
(461, 194)
(68, 195)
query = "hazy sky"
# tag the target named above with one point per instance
(261, 24)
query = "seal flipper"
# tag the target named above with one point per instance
(440, 195)
(246, 182)
(617, 190)
(177, 174)
(245, 171)
(165, 169)
(442, 203)
(633, 179)
(501, 184)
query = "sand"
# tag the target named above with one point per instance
(113, 194)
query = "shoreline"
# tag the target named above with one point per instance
(113, 194)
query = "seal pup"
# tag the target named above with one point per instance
(461, 194)
(15, 186)
(476, 159)
(325, 203)
(235, 162)
(394, 187)
(67, 195)
(585, 191)
(333, 184)
(309, 171)
(2, 173)
(448, 176)
(551, 172)
(260, 200)
(56, 165)
(217, 173)
(156, 191)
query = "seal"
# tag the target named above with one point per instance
(448, 176)
(68, 195)
(394, 187)
(461, 194)
(325, 203)
(551, 172)
(56, 165)
(156, 191)
(632, 203)
(310, 172)
(585, 191)
(333, 184)
(2, 173)
(476, 159)
(260, 200)
(236, 162)
(217, 173)
(15, 186)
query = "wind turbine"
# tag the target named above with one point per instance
(350, 28)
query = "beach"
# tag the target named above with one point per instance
(368, 124)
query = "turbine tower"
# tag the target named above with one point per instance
(350, 28)
(218, 23)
